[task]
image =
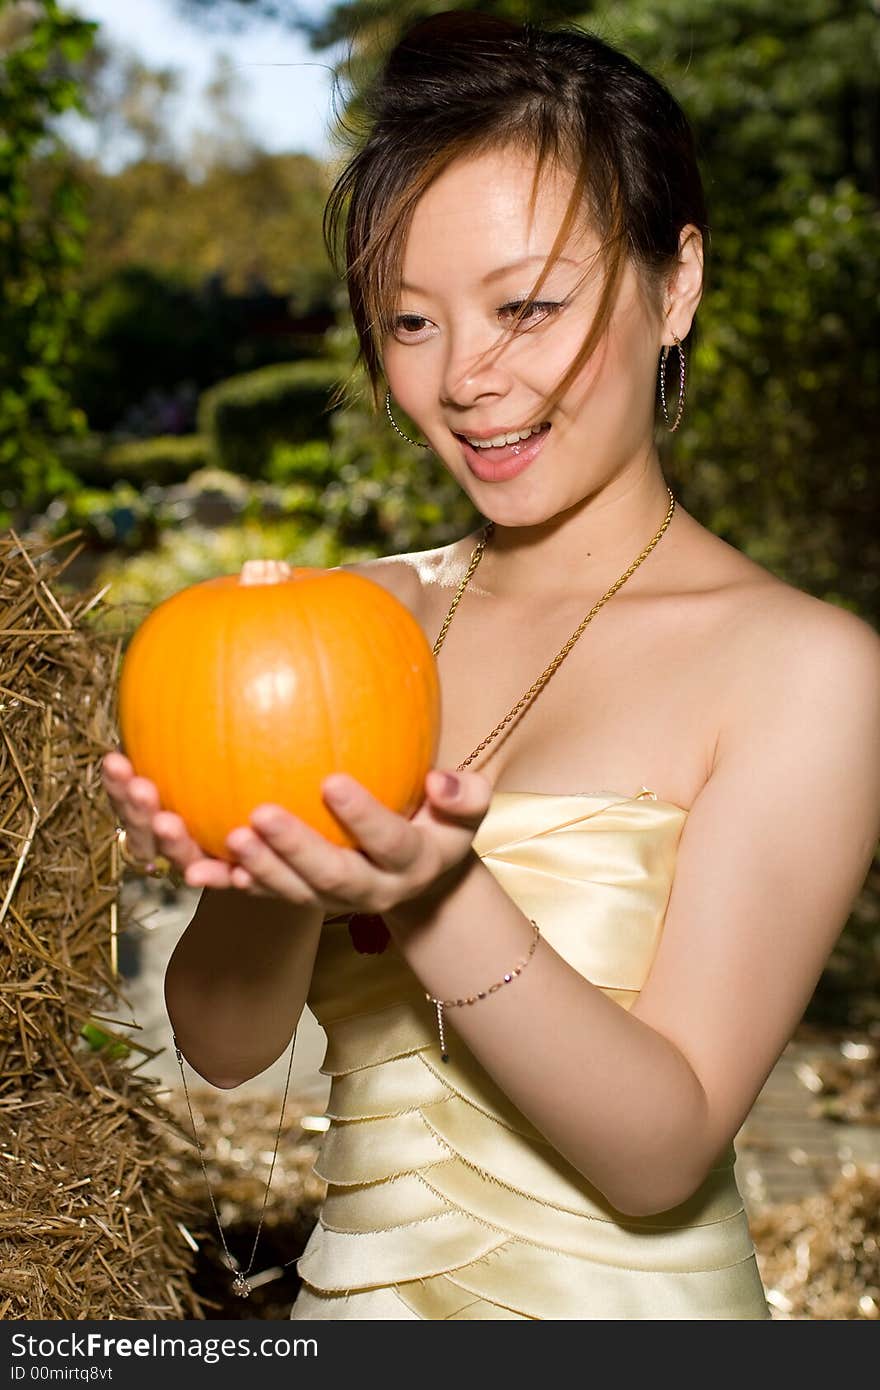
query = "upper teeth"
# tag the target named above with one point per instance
(502, 438)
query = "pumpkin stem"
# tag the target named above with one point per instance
(264, 572)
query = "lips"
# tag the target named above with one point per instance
(497, 465)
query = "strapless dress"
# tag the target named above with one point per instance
(443, 1200)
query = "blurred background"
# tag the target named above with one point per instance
(171, 327)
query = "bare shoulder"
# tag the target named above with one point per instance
(803, 718)
(769, 638)
(792, 641)
(409, 576)
(839, 635)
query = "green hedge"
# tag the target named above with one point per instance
(164, 460)
(310, 463)
(246, 416)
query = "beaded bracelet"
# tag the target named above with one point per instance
(442, 1004)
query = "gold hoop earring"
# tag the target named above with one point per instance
(663, 356)
(400, 431)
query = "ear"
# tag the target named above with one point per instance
(685, 288)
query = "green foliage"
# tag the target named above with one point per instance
(96, 460)
(310, 463)
(163, 460)
(365, 488)
(109, 518)
(40, 247)
(778, 455)
(389, 495)
(246, 416)
(256, 224)
(148, 329)
(108, 1043)
(141, 330)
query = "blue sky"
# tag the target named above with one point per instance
(286, 109)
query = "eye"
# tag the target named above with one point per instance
(546, 307)
(406, 322)
(410, 323)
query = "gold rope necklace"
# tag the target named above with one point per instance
(368, 931)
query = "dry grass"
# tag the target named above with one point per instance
(89, 1224)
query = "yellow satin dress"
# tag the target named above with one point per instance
(443, 1200)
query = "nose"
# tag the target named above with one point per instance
(474, 368)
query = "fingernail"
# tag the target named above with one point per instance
(338, 792)
(241, 841)
(451, 784)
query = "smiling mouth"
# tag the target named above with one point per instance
(488, 448)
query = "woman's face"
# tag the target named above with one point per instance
(470, 224)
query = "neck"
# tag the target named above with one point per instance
(591, 544)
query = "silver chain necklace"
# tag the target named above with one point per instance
(241, 1282)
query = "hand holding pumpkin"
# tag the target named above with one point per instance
(152, 830)
(400, 860)
(252, 694)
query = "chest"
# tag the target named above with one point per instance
(635, 701)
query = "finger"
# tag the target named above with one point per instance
(135, 804)
(208, 873)
(465, 795)
(117, 767)
(170, 836)
(242, 879)
(177, 844)
(116, 773)
(296, 862)
(390, 840)
(139, 807)
(199, 870)
(216, 873)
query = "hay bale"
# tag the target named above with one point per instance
(89, 1224)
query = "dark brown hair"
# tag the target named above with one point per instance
(463, 83)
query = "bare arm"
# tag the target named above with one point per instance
(237, 982)
(769, 863)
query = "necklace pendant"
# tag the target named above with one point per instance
(241, 1286)
(368, 933)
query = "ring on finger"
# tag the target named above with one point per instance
(157, 867)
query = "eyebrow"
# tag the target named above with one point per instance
(496, 274)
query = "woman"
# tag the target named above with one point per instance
(564, 1147)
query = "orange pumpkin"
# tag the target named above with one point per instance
(254, 687)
